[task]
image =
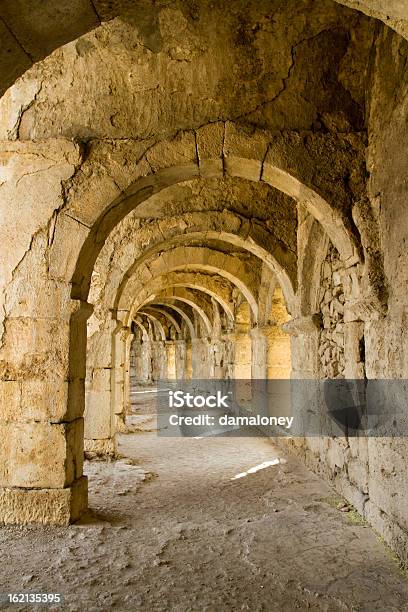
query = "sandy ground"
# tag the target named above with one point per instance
(172, 530)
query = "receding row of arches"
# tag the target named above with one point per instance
(160, 223)
(210, 279)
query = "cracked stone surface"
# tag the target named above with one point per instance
(20, 24)
(179, 68)
(170, 529)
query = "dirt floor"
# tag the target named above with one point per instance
(171, 528)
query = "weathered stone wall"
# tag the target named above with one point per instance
(368, 471)
(386, 338)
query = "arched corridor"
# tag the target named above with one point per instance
(200, 195)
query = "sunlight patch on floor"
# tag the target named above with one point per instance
(256, 468)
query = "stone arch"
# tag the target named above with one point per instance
(147, 283)
(179, 285)
(162, 302)
(147, 324)
(245, 241)
(250, 154)
(313, 174)
(156, 324)
(109, 342)
(145, 335)
(189, 302)
(287, 162)
(290, 162)
(178, 291)
(191, 258)
(153, 307)
(202, 227)
(178, 282)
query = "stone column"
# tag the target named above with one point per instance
(146, 358)
(180, 346)
(135, 373)
(220, 363)
(277, 348)
(189, 361)
(121, 379)
(106, 393)
(259, 354)
(241, 367)
(159, 360)
(171, 360)
(304, 332)
(201, 359)
(271, 360)
(41, 418)
(98, 417)
(242, 354)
